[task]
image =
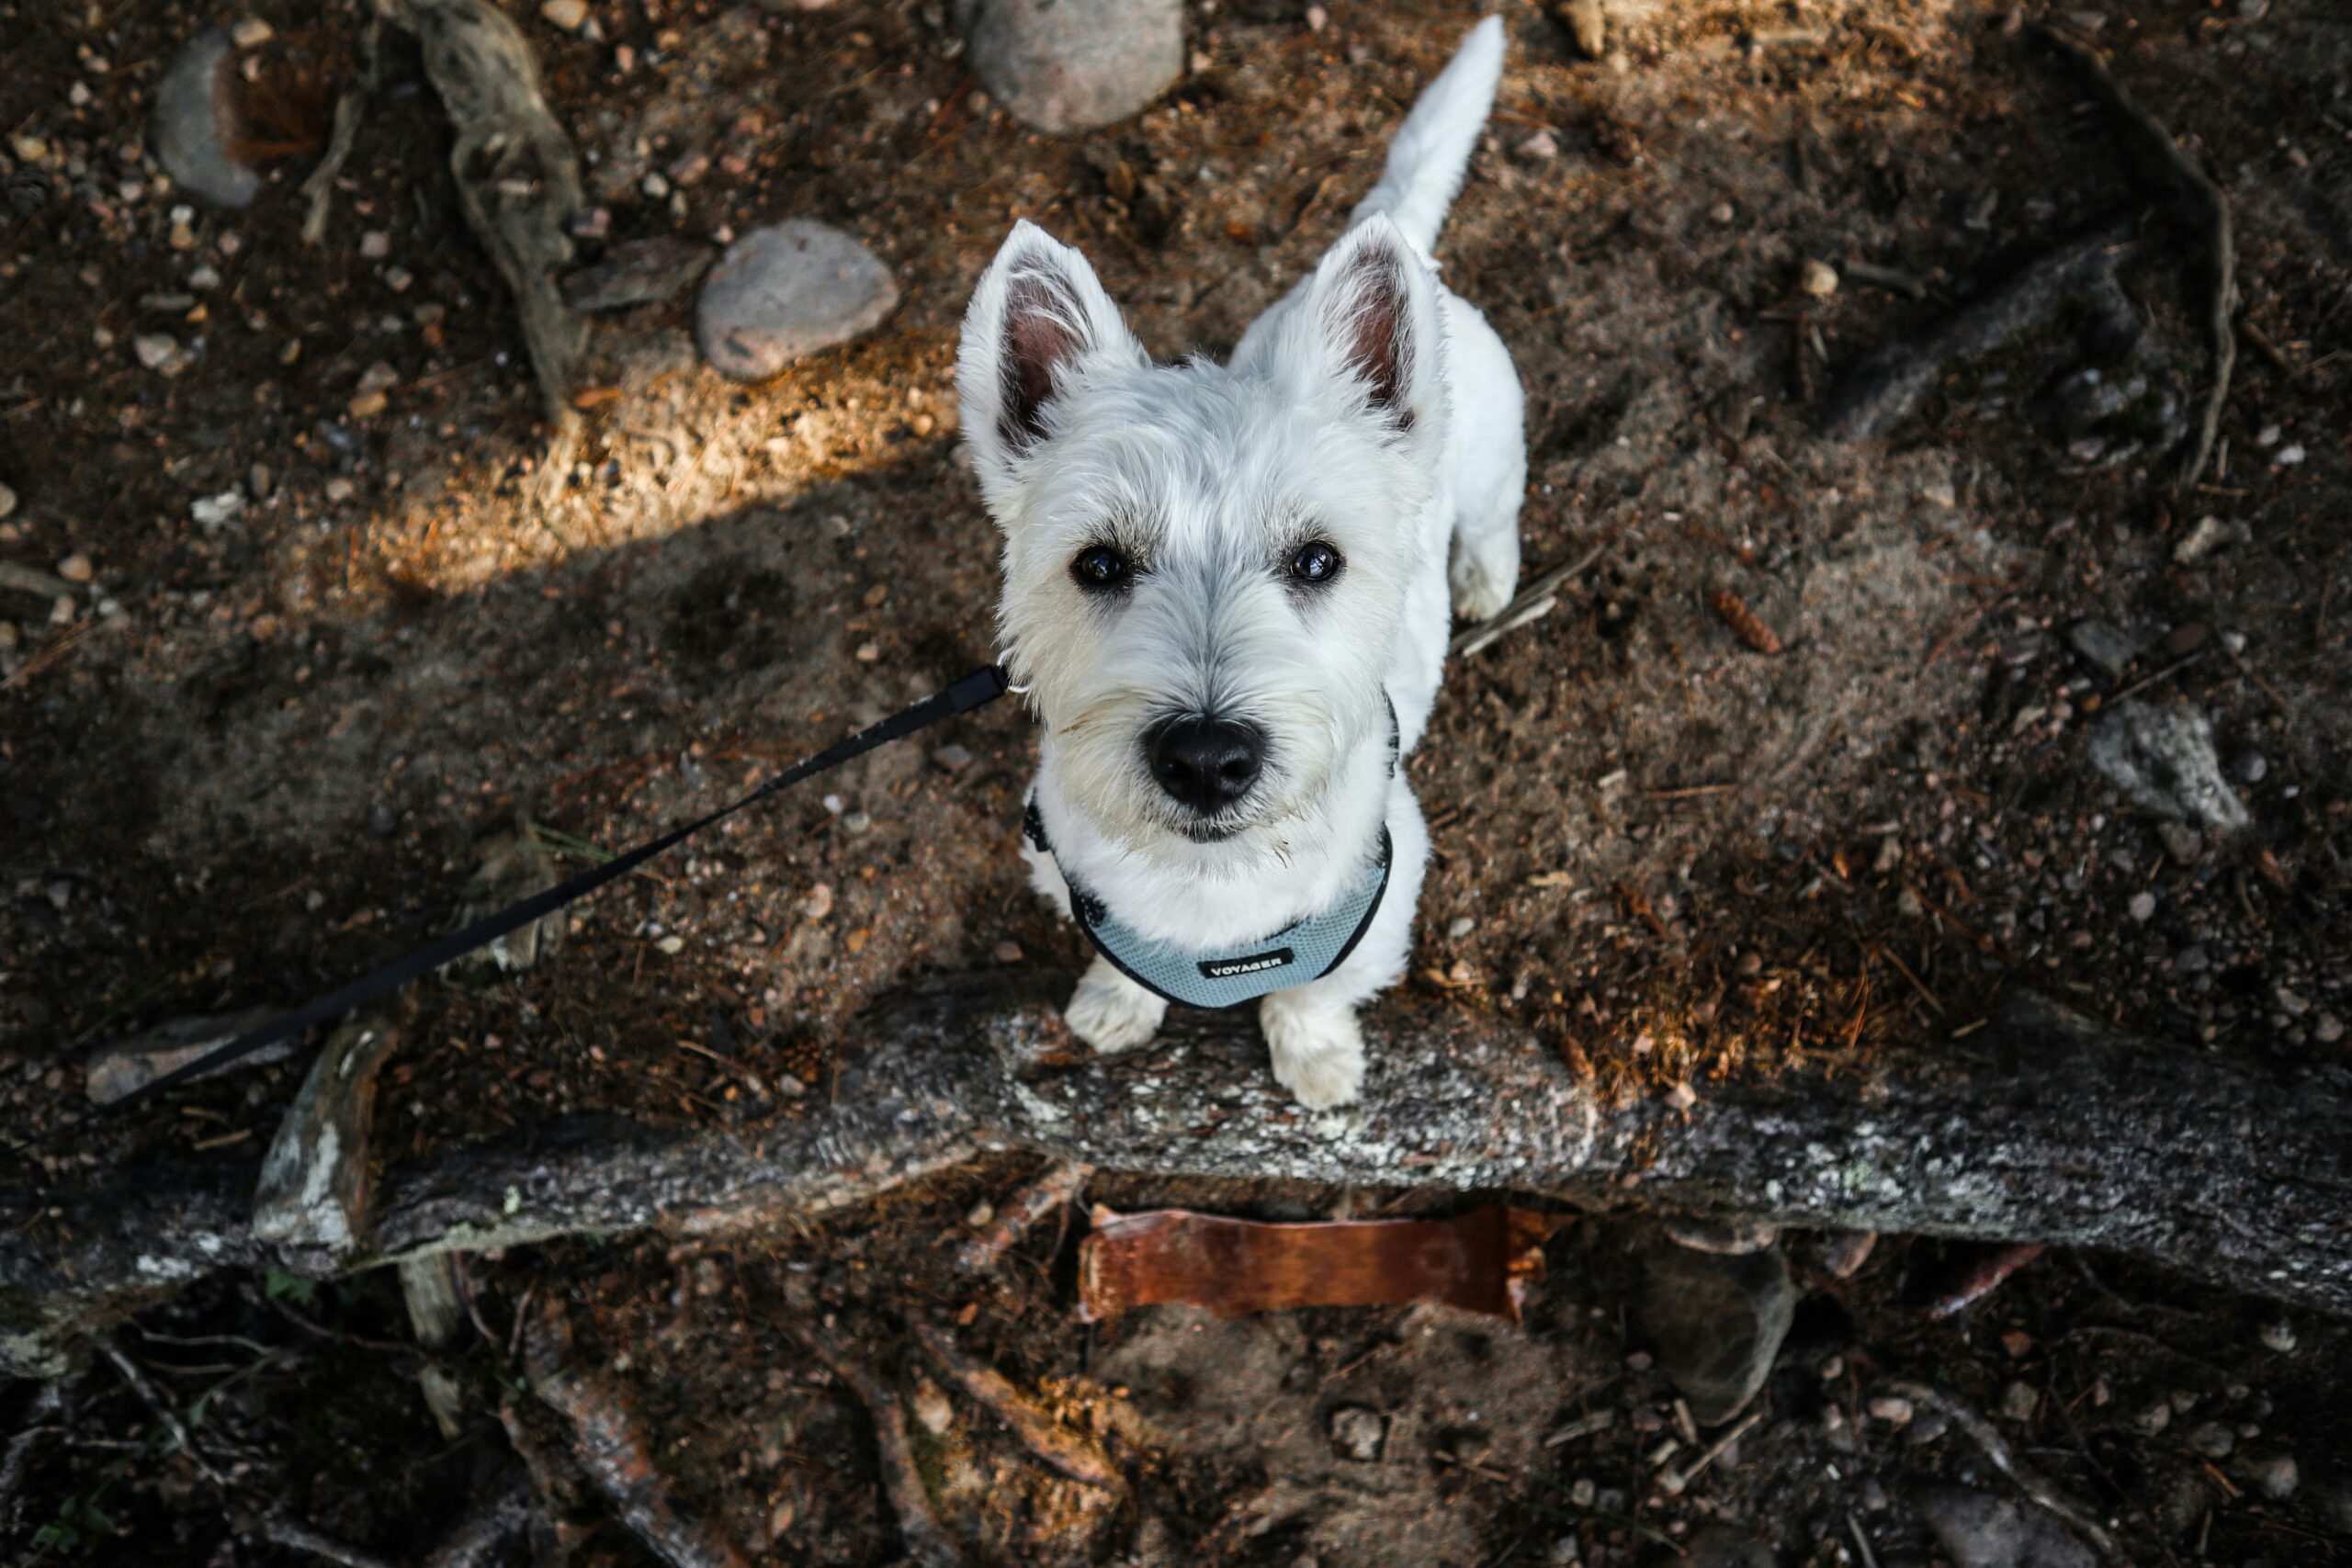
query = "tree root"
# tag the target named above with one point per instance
(2220, 237)
(1060, 1184)
(925, 1539)
(282, 1531)
(1061, 1450)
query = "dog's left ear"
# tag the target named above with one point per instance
(1037, 319)
(1373, 307)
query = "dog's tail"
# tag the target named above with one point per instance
(1431, 152)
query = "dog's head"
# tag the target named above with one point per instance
(1205, 567)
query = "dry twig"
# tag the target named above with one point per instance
(1534, 601)
(1985, 1436)
(2219, 238)
(144, 1387)
(318, 187)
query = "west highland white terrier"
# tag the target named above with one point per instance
(1226, 598)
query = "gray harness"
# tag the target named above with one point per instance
(1302, 950)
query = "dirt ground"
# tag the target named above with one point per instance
(256, 755)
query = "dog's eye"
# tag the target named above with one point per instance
(1100, 566)
(1315, 562)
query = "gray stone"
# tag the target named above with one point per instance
(1071, 65)
(1980, 1531)
(638, 272)
(2103, 646)
(2210, 1440)
(785, 291)
(2250, 765)
(2161, 757)
(195, 118)
(2275, 1475)
(1717, 1323)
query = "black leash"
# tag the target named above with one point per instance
(976, 690)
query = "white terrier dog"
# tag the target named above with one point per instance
(1225, 596)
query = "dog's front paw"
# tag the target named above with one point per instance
(1318, 1050)
(1482, 588)
(1111, 1012)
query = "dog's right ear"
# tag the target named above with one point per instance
(1037, 319)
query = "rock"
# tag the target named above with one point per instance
(1074, 65)
(1841, 1253)
(1891, 1408)
(1717, 1323)
(76, 567)
(194, 120)
(1817, 278)
(568, 15)
(1538, 147)
(2182, 843)
(7, 501)
(129, 1065)
(1587, 23)
(638, 272)
(156, 351)
(2250, 766)
(2275, 1476)
(1981, 1531)
(1357, 1433)
(785, 291)
(2142, 907)
(514, 867)
(2209, 535)
(2020, 1401)
(1729, 1238)
(2161, 757)
(212, 512)
(2103, 646)
(2210, 1440)
(2278, 1334)
(251, 33)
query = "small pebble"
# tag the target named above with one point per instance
(155, 350)
(2288, 456)
(2182, 843)
(251, 33)
(1006, 953)
(7, 501)
(2210, 1440)
(1892, 1409)
(568, 15)
(1357, 1433)
(1460, 927)
(2020, 1401)
(2327, 1029)
(2143, 907)
(381, 822)
(1723, 212)
(979, 1214)
(2250, 765)
(671, 944)
(2275, 1476)
(76, 567)
(1539, 146)
(1817, 278)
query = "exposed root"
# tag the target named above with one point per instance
(1987, 1437)
(2219, 238)
(1060, 1184)
(161, 1408)
(318, 187)
(1064, 1452)
(920, 1532)
(610, 1450)
(1884, 388)
(485, 1530)
(1984, 1277)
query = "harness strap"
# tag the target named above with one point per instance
(976, 690)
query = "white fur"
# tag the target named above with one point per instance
(1210, 476)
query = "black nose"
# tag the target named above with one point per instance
(1207, 764)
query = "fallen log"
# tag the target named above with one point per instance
(2038, 1127)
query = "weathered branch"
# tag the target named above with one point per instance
(2039, 1127)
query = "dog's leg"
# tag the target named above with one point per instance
(1316, 1043)
(1110, 1011)
(1491, 477)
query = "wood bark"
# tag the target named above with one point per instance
(2039, 1127)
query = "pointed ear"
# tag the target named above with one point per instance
(1374, 305)
(1037, 318)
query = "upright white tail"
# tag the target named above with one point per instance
(1431, 152)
